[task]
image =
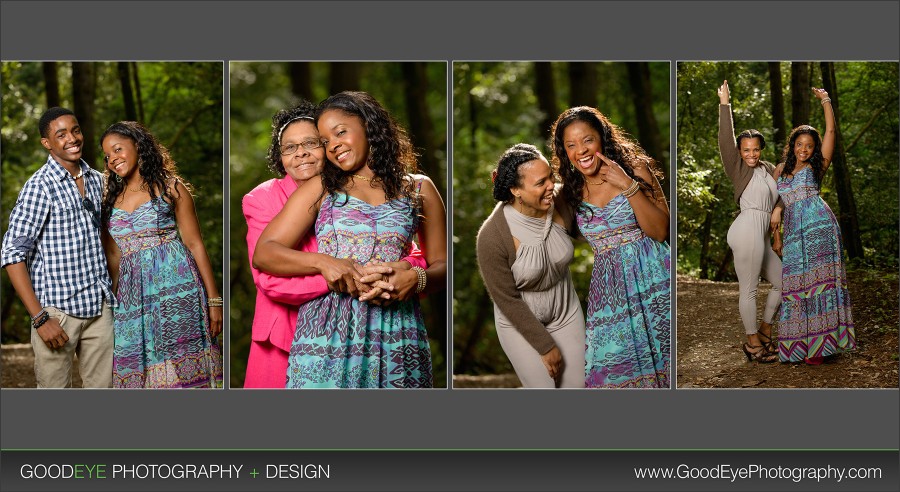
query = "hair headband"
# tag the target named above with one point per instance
(281, 131)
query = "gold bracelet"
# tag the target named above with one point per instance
(421, 279)
(631, 190)
(826, 100)
(215, 302)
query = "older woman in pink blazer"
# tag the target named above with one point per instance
(296, 154)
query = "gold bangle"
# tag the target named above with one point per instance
(421, 279)
(826, 100)
(631, 190)
(215, 302)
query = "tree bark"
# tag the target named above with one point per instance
(723, 266)
(301, 80)
(847, 217)
(51, 84)
(127, 93)
(799, 93)
(705, 233)
(344, 77)
(582, 84)
(545, 89)
(647, 128)
(421, 129)
(84, 86)
(778, 121)
(137, 91)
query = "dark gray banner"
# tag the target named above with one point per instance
(473, 470)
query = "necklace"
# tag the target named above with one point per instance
(75, 178)
(593, 183)
(362, 177)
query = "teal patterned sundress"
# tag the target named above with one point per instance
(629, 317)
(161, 321)
(815, 309)
(341, 342)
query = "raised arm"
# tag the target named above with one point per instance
(728, 149)
(189, 228)
(652, 213)
(830, 131)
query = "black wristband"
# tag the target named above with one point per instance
(42, 318)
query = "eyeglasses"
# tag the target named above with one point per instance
(89, 206)
(306, 144)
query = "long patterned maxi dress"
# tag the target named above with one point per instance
(341, 342)
(628, 322)
(162, 324)
(815, 311)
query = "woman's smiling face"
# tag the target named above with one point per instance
(303, 163)
(582, 142)
(344, 137)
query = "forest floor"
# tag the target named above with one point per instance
(710, 334)
(17, 367)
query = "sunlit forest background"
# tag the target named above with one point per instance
(180, 103)
(497, 105)
(415, 94)
(860, 186)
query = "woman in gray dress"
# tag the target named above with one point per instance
(756, 193)
(524, 253)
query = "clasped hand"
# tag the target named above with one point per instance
(377, 283)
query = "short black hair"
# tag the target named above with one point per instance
(751, 133)
(507, 173)
(49, 116)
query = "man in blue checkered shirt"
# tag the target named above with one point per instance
(53, 253)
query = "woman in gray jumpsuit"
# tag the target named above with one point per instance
(749, 235)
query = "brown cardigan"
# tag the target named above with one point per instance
(737, 170)
(496, 253)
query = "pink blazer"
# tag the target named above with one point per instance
(277, 298)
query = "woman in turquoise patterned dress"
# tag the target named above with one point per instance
(612, 186)
(815, 312)
(365, 207)
(168, 312)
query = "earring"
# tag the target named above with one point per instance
(520, 199)
(117, 178)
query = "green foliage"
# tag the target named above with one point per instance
(495, 107)
(183, 108)
(258, 91)
(867, 94)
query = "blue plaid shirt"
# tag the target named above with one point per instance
(51, 230)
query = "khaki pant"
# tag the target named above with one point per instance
(91, 339)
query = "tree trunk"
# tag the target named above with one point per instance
(421, 129)
(847, 204)
(582, 84)
(723, 266)
(545, 89)
(127, 93)
(301, 80)
(647, 128)
(137, 92)
(84, 86)
(778, 121)
(799, 93)
(467, 354)
(344, 77)
(705, 233)
(51, 84)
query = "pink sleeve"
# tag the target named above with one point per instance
(286, 290)
(415, 258)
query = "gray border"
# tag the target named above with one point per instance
(448, 30)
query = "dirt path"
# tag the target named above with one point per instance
(710, 334)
